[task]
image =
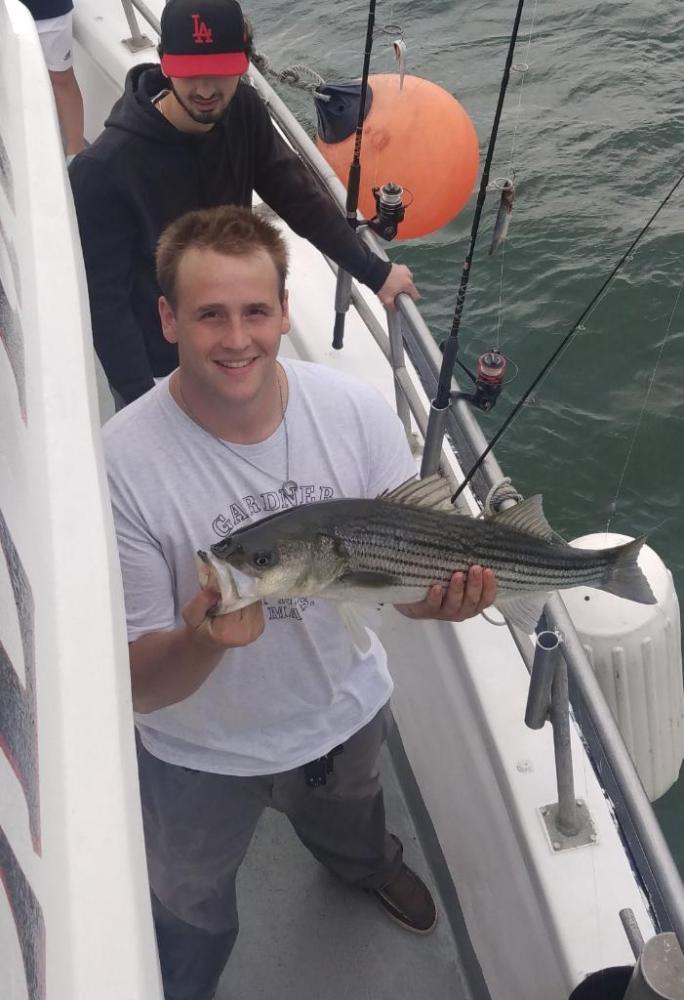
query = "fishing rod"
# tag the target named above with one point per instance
(343, 287)
(489, 379)
(564, 343)
(388, 198)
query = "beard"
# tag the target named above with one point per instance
(201, 117)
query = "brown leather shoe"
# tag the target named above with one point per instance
(407, 901)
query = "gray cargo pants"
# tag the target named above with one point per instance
(198, 827)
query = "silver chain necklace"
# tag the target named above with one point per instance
(288, 486)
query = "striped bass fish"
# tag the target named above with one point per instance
(393, 548)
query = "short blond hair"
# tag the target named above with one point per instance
(227, 229)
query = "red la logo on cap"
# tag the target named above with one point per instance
(202, 34)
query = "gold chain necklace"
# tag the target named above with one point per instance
(288, 486)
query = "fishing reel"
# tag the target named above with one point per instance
(389, 210)
(489, 380)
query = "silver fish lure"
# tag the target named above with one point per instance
(503, 216)
(393, 548)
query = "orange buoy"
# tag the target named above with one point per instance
(420, 137)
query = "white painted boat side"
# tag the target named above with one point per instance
(86, 928)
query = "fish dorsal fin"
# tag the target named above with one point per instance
(433, 492)
(527, 516)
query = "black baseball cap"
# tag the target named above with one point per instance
(203, 38)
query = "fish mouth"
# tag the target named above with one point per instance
(225, 548)
(236, 589)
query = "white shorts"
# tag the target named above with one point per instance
(55, 35)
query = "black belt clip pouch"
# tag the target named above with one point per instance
(316, 771)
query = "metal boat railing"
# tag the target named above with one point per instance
(408, 333)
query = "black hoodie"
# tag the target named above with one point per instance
(141, 173)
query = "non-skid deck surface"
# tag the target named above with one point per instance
(306, 936)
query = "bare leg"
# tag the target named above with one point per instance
(69, 108)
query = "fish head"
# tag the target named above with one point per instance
(263, 564)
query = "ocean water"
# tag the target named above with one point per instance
(594, 130)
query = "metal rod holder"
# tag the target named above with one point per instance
(433, 440)
(634, 935)
(548, 698)
(547, 655)
(659, 971)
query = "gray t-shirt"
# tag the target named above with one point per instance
(303, 686)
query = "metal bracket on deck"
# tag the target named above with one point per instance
(137, 41)
(584, 835)
(137, 44)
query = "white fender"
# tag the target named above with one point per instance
(635, 651)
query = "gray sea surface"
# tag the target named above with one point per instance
(594, 130)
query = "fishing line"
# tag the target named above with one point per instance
(436, 427)
(613, 506)
(451, 343)
(499, 314)
(564, 343)
(522, 69)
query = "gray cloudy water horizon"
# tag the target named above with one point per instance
(594, 130)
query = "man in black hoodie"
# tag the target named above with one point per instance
(190, 134)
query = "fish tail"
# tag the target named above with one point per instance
(624, 577)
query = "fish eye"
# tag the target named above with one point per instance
(263, 559)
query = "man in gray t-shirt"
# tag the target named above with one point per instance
(273, 704)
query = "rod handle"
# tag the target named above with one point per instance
(338, 331)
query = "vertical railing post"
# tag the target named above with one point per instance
(566, 820)
(433, 440)
(548, 699)
(397, 359)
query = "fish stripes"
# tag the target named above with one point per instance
(423, 549)
(391, 549)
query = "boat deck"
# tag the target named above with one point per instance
(304, 934)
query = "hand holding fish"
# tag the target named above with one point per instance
(236, 628)
(169, 666)
(465, 597)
